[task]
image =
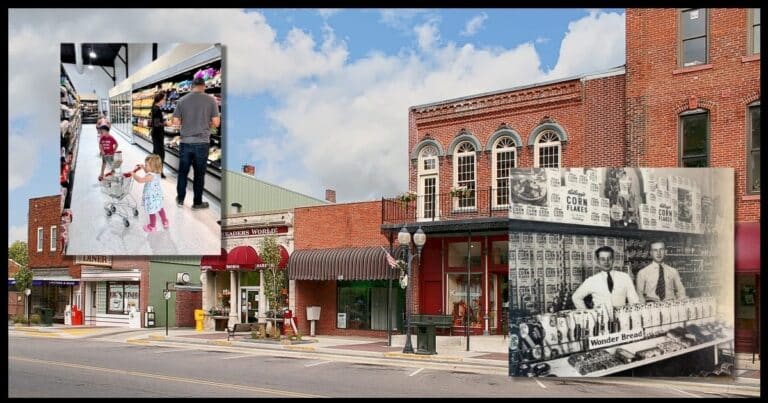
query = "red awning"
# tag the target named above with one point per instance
(747, 247)
(243, 257)
(215, 263)
(283, 257)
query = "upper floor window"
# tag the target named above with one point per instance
(464, 172)
(39, 239)
(53, 237)
(753, 29)
(428, 160)
(547, 150)
(504, 159)
(753, 142)
(694, 139)
(693, 37)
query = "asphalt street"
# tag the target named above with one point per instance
(51, 367)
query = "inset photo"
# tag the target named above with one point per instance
(141, 148)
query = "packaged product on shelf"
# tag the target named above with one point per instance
(527, 240)
(545, 213)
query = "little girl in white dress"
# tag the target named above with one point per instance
(152, 198)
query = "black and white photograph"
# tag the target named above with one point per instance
(627, 274)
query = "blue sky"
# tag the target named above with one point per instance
(316, 99)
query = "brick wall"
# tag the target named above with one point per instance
(590, 112)
(658, 91)
(45, 212)
(323, 293)
(186, 303)
(13, 268)
(345, 225)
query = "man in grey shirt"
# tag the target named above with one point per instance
(197, 113)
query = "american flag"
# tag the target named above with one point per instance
(390, 260)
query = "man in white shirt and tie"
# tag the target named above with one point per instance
(655, 287)
(609, 288)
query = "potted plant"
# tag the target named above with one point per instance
(461, 191)
(407, 197)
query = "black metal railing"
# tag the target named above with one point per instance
(485, 202)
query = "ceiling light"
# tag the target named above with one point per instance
(92, 54)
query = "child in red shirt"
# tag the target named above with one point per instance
(107, 146)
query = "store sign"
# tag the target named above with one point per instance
(256, 231)
(94, 260)
(612, 339)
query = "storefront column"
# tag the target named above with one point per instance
(234, 293)
(486, 330)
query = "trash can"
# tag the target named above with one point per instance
(46, 316)
(425, 339)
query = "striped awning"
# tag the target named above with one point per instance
(367, 263)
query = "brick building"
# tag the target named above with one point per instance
(15, 298)
(693, 99)
(102, 287)
(339, 265)
(472, 143)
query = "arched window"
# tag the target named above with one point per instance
(547, 153)
(504, 157)
(464, 173)
(428, 185)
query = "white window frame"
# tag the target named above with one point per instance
(750, 32)
(456, 156)
(494, 170)
(750, 149)
(429, 152)
(39, 239)
(681, 39)
(538, 145)
(54, 237)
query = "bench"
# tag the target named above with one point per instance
(439, 321)
(238, 328)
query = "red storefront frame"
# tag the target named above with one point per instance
(747, 250)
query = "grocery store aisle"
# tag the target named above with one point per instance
(92, 232)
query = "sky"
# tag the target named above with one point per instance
(315, 98)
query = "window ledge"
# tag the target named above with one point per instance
(751, 58)
(690, 69)
(750, 197)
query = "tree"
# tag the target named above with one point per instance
(19, 253)
(274, 278)
(23, 279)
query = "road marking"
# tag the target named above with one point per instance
(166, 377)
(238, 356)
(173, 350)
(317, 363)
(416, 371)
(539, 382)
(683, 392)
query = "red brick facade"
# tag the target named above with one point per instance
(590, 110)
(45, 212)
(658, 90)
(186, 303)
(346, 225)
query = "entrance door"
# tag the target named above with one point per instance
(432, 298)
(502, 302)
(249, 303)
(427, 205)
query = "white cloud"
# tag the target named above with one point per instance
(23, 151)
(541, 39)
(327, 12)
(17, 233)
(400, 19)
(474, 25)
(592, 43)
(427, 34)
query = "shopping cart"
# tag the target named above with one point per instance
(116, 185)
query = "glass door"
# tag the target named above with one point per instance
(249, 303)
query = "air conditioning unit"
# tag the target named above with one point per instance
(182, 278)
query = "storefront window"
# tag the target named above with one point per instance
(500, 253)
(121, 297)
(457, 254)
(457, 299)
(363, 304)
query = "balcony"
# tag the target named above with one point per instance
(480, 203)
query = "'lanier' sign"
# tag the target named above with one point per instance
(614, 338)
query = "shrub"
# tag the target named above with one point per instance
(35, 319)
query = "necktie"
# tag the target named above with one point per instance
(660, 285)
(610, 282)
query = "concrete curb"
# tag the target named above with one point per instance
(420, 357)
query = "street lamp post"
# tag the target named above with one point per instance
(27, 291)
(404, 239)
